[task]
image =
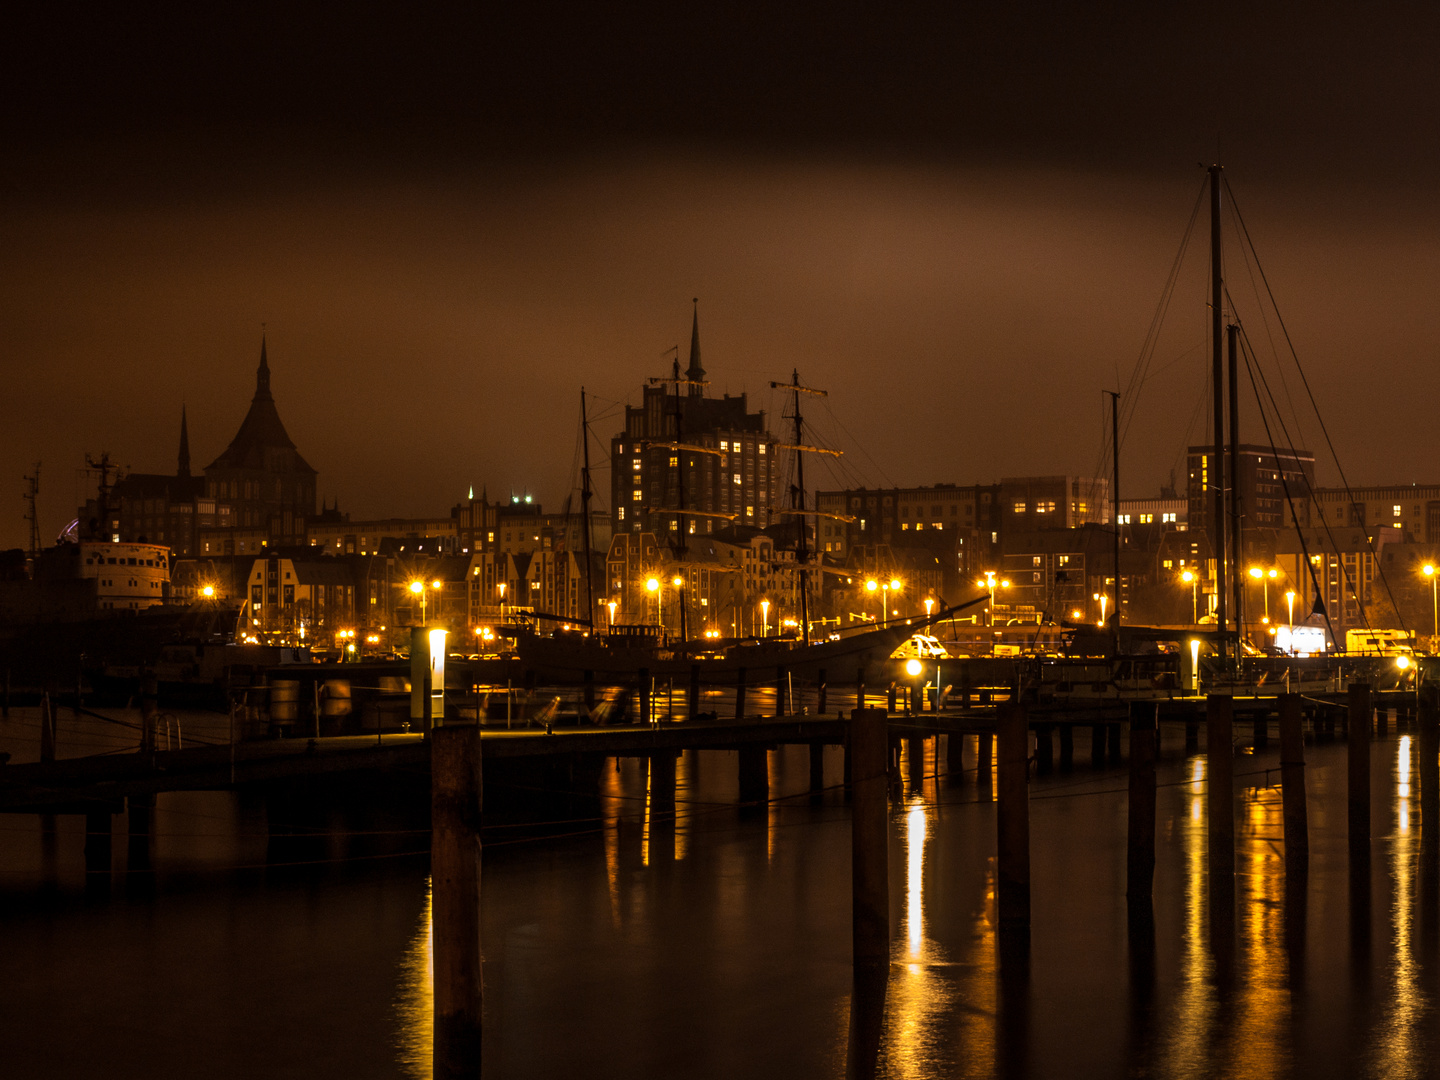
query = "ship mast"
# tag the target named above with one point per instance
(585, 512)
(32, 494)
(1217, 378)
(797, 495)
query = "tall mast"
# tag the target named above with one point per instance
(1217, 376)
(797, 502)
(1115, 503)
(1237, 552)
(585, 511)
(32, 495)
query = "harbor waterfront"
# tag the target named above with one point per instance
(266, 937)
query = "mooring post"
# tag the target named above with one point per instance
(1220, 782)
(692, 705)
(455, 799)
(1358, 774)
(1292, 781)
(1140, 848)
(754, 774)
(817, 768)
(869, 865)
(915, 749)
(1044, 749)
(1013, 817)
(1428, 720)
(47, 729)
(740, 694)
(954, 759)
(890, 699)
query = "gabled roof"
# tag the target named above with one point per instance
(262, 440)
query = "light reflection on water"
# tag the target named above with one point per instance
(734, 954)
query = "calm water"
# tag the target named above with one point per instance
(717, 944)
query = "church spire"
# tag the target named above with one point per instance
(695, 373)
(262, 375)
(183, 464)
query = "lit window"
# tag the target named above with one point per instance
(621, 512)
(737, 477)
(749, 511)
(762, 448)
(1397, 511)
(635, 495)
(1147, 519)
(635, 464)
(674, 460)
(1019, 508)
(724, 444)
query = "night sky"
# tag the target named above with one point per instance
(958, 219)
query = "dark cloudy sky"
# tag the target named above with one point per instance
(958, 218)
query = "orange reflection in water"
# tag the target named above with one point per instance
(1398, 1049)
(1186, 1050)
(415, 999)
(1259, 1030)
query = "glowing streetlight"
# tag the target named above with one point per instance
(611, 605)
(1290, 605)
(1103, 598)
(208, 592)
(1429, 570)
(765, 618)
(929, 603)
(1266, 576)
(418, 588)
(1189, 577)
(652, 584)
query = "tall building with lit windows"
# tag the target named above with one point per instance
(1264, 476)
(682, 455)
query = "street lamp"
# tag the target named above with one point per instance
(418, 588)
(929, 603)
(1189, 577)
(611, 605)
(1429, 569)
(652, 584)
(991, 583)
(1290, 605)
(765, 618)
(501, 587)
(1103, 598)
(1265, 576)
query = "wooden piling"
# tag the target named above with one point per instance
(954, 759)
(754, 775)
(1013, 817)
(740, 694)
(1044, 749)
(1428, 740)
(983, 760)
(817, 768)
(1140, 847)
(890, 699)
(1220, 782)
(915, 749)
(869, 865)
(455, 799)
(1292, 781)
(1358, 761)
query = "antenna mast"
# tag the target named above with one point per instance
(585, 511)
(797, 497)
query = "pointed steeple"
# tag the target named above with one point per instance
(183, 464)
(695, 373)
(262, 375)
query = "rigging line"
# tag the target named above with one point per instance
(1245, 253)
(1253, 369)
(1369, 541)
(1285, 484)
(856, 442)
(1293, 353)
(1200, 403)
(1140, 374)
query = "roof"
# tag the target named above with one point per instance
(323, 571)
(262, 442)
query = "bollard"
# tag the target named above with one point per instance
(1067, 747)
(1220, 783)
(1013, 818)
(954, 759)
(869, 841)
(740, 694)
(754, 775)
(1140, 848)
(1358, 760)
(817, 768)
(455, 799)
(983, 763)
(1292, 782)
(692, 703)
